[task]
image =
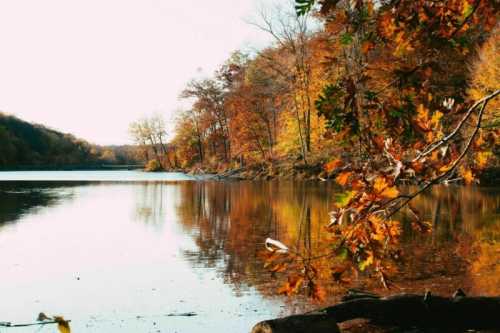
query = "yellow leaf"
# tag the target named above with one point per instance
(422, 112)
(466, 8)
(445, 168)
(380, 184)
(367, 262)
(343, 177)
(390, 192)
(466, 175)
(480, 140)
(482, 158)
(436, 117)
(62, 325)
(383, 189)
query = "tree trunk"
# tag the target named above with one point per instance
(457, 313)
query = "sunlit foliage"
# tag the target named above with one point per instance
(402, 96)
(383, 93)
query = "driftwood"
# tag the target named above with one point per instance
(455, 314)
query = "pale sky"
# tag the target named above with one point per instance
(90, 67)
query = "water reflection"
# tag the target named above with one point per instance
(142, 250)
(20, 198)
(229, 222)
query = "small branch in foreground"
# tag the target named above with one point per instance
(438, 178)
(39, 323)
(435, 145)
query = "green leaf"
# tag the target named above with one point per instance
(346, 38)
(366, 262)
(343, 253)
(302, 7)
(370, 95)
(342, 199)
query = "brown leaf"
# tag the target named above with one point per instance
(62, 325)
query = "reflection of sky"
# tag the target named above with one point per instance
(92, 175)
(90, 260)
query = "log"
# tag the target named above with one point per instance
(457, 313)
(317, 322)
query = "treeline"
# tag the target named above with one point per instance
(150, 136)
(24, 145)
(339, 80)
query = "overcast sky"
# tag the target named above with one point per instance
(90, 67)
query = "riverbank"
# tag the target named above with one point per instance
(311, 172)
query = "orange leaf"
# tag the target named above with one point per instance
(379, 142)
(332, 165)
(357, 184)
(343, 177)
(318, 293)
(279, 268)
(291, 286)
(417, 166)
(367, 46)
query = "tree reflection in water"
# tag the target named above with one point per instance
(19, 198)
(230, 221)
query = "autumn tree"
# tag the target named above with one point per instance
(402, 94)
(150, 134)
(253, 101)
(208, 96)
(189, 138)
(292, 35)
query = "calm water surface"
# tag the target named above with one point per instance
(125, 256)
(118, 176)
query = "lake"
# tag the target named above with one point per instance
(128, 251)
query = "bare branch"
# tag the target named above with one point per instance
(432, 147)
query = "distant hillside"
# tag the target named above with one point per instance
(24, 145)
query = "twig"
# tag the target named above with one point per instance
(40, 323)
(435, 145)
(436, 179)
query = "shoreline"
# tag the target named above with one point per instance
(489, 177)
(300, 172)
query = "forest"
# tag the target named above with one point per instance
(341, 80)
(372, 94)
(31, 146)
